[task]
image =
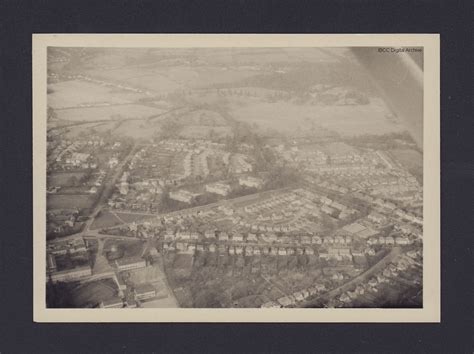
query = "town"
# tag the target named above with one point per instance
(231, 216)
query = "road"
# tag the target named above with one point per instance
(106, 192)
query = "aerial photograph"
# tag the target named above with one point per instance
(234, 178)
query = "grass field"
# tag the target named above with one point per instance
(105, 219)
(161, 79)
(300, 119)
(62, 179)
(75, 92)
(146, 275)
(58, 201)
(94, 292)
(107, 112)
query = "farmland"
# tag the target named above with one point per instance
(107, 112)
(105, 219)
(293, 118)
(74, 93)
(63, 178)
(63, 201)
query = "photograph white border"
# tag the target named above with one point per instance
(431, 178)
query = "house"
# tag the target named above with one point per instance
(316, 240)
(402, 241)
(373, 282)
(389, 240)
(270, 304)
(212, 247)
(251, 182)
(249, 251)
(377, 218)
(237, 238)
(223, 236)
(298, 296)
(339, 239)
(251, 237)
(130, 263)
(144, 292)
(306, 240)
(209, 234)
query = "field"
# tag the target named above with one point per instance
(146, 275)
(299, 119)
(203, 132)
(155, 78)
(93, 293)
(107, 112)
(73, 93)
(63, 179)
(136, 129)
(105, 219)
(59, 201)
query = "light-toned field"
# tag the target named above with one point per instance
(203, 132)
(136, 129)
(291, 118)
(167, 79)
(75, 92)
(99, 113)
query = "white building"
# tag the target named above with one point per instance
(251, 182)
(218, 188)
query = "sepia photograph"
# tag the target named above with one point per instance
(287, 176)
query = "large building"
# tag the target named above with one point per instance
(251, 182)
(218, 188)
(183, 196)
(144, 292)
(70, 274)
(130, 263)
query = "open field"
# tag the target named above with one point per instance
(139, 129)
(94, 292)
(75, 92)
(107, 112)
(59, 201)
(292, 118)
(105, 219)
(155, 78)
(62, 179)
(203, 132)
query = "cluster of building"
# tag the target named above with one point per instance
(296, 297)
(70, 250)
